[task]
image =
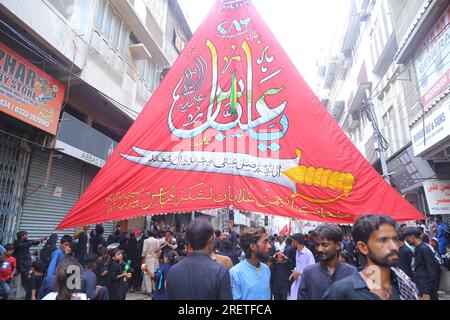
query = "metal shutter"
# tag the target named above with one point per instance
(42, 212)
(14, 161)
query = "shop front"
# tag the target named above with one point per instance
(57, 178)
(30, 106)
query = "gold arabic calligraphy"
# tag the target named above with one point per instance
(146, 200)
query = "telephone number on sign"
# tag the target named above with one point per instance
(32, 117)
(5, 104)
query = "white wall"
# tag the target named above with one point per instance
(68, 29)
(66, 37)
(390, 106)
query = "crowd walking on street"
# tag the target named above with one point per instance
(379, 259)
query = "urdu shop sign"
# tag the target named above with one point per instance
(27, 93)
(437, 193)
(83, 142)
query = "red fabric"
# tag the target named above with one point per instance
(7, 268)
(285, 230)
(232, 97)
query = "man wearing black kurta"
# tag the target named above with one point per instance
(425, 268)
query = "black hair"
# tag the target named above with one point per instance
(39, 266)
(172, 256)
(312, 233)
(330, 232)
(199, 232)
(413, 231)
(226, 244)
(299, 238)
(9, 247)
(438, 217)
(89, 260)
(152, 233)
(113, 252)
(248, 237)
(365, 225)
(20, 234)
(101, 251)
(217, 233)
(169, 231)
(401, 234)
(99, 230)
(288, 241)
(345, 255)
(66, 238)
(421, 229)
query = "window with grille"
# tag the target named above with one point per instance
(111, 26)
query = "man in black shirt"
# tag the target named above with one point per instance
(423, 236)
(405, 254)
(376, 238)
(317, 278)
(23, 256)
(234, 237)
(311, 244)
(217, 240)
(226, 249)
(425, 269)
(197, 276)
(291, 253)
(350, 247)
(98, 240)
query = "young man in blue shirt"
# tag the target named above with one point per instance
(250, 279)
(59, 254)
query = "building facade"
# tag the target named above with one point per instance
(75, 75)
(389, 65)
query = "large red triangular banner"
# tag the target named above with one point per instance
(234, 124)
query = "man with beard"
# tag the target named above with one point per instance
(251, 278)
(317, 278)
(425, 268)
(376, 238)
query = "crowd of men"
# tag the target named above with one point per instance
(378, 260)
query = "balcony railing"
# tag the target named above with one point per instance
(355, 100)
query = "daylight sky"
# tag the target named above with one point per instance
(303, 27)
